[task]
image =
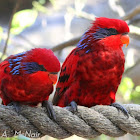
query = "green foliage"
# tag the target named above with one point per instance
(22, 20)
(126, 87)
(13, 138)
(42, 1)
(39, 7)
(20, 137)
(130, 92)
(103, 137)
(135, 95)
(53, 2)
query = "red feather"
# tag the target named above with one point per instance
(25, 77)
(92, 72)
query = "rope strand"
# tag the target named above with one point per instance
(86, 123)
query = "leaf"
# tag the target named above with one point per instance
(22, 20)
(126, 87)
(135, 95)
(137, 89)
(1, 33)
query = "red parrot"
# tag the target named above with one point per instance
(93, 70)
(28, 77)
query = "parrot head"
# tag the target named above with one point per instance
(110, 32)
(46, 60)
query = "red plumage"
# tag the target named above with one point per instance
(92, 72)
(28, 77)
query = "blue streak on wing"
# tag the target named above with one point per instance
(104, 32)
(100, 33)
(87, 51)
(82, 43)
(85, 42)
(15, 63)
(27, 68)
(32, 67)
(20, 54)
(15, 70)
(19, 67)
(16, 59)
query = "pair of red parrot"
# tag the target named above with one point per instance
(89, 76)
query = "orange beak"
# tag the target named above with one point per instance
(53, 78)
(125, 39)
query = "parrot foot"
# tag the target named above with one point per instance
(72, 107)
(120, 107)
(16, 106)
(48, 105)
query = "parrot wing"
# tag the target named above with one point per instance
(19, 67)
(66, 76)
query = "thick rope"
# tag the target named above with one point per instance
(87, 122)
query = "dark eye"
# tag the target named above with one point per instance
(112, 31)
(42, 68)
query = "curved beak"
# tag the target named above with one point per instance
(125, 39)
(53, 77)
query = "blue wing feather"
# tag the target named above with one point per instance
(19, 67)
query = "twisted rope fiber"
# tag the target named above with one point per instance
(87, 122)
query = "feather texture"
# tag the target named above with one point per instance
(92, 72)
(25, 77)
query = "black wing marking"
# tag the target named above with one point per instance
(64, 78)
